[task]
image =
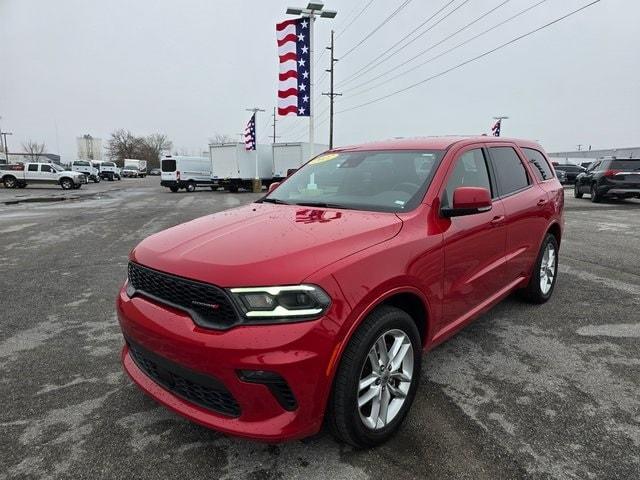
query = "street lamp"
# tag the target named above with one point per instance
(313, 10)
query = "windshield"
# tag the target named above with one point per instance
(57, 168)
(384, 181)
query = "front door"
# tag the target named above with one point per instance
(474, 245)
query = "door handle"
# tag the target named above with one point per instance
(542, 202)
(497, 220)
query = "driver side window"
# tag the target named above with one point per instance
(470, 171)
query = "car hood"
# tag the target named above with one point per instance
(263, 244)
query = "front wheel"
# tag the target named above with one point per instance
(66, 184)
(545, 272)
(377, 379)
(576, 190)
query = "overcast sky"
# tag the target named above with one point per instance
(190, 68)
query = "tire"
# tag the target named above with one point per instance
(346, 420)
(595, 196)
(77, 186)
(214, 188)
(576, 191)
(174, 189)
(533, 292)
(66, 183)
(22, 185)
(10, 182)
(96, 179)
(233, 188)
(190, 187)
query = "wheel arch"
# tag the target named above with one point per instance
(555, 230)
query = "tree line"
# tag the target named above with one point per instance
(124, 144)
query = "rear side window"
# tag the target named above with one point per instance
(470, 171)
(541, 167)
(168, 165)
(625, 165)
(33, 167)
(510, 172)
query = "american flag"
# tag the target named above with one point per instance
(293, 51)
(250, 134)
(496, 128)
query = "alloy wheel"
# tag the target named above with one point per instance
(547, 268)
(385, 379)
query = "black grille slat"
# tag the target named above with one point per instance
(182, 293)
(203, 390)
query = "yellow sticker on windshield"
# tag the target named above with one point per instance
(323, 158)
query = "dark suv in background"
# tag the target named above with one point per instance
(610, 177)
(572, 171)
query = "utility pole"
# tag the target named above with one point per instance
(579, 147)
(331, 93)
(275, 119)
(313, 10)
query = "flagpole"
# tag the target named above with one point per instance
(311, 84)
(255, 111)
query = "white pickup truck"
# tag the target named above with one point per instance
(19, 175)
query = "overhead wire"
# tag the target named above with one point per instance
(470, 60)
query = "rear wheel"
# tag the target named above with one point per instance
(576, 191)
(233, 188)
(174, 189)
(191, 187)
(595, 196)
(545, 272)
(377, 379)
(10, 182)
(22, 184)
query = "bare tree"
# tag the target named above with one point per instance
(222, 138)
(152, 148)
(33, 149)
(123, 144)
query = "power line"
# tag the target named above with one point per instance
(460, 30)
(399, 41)
(364, 9)
(466, 62)
(385, 21)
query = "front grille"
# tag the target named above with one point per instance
(208, 305)
(203, 390)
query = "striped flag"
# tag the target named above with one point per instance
(295, 80)
(496, 128)
(250, 134)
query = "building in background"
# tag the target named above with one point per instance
(89, 148)
(31, 157)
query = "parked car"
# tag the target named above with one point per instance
(85, 167)
(562, 176)
(155, 171)
(610, 178)
(131, 172)
(586, 165)
(572, 171)
(140, 166)
(317, 301)
(19, 175)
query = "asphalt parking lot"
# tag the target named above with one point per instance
(549, 391)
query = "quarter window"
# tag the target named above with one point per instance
(510, 172)
(541, 167)
(470, 171)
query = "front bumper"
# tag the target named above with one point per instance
(300, 353)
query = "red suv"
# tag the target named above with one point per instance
(317, 301)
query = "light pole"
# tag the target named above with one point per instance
(6, 147)
(313, 10)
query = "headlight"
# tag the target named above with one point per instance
(294, 302)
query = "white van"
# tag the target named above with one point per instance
(185, 172)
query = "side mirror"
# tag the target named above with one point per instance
(273, 186)
(468, 201)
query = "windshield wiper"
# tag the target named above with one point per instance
(322, 204)
(273, 200)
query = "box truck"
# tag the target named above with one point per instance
(141, 166)
(233, 167)
(180, 171)
(288, 157)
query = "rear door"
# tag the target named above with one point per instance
(527, 209)
(31, 173)
(168, 168)
(474, 245)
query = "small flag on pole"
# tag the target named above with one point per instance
(250, 134)
(294, 77)
(496, 128)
